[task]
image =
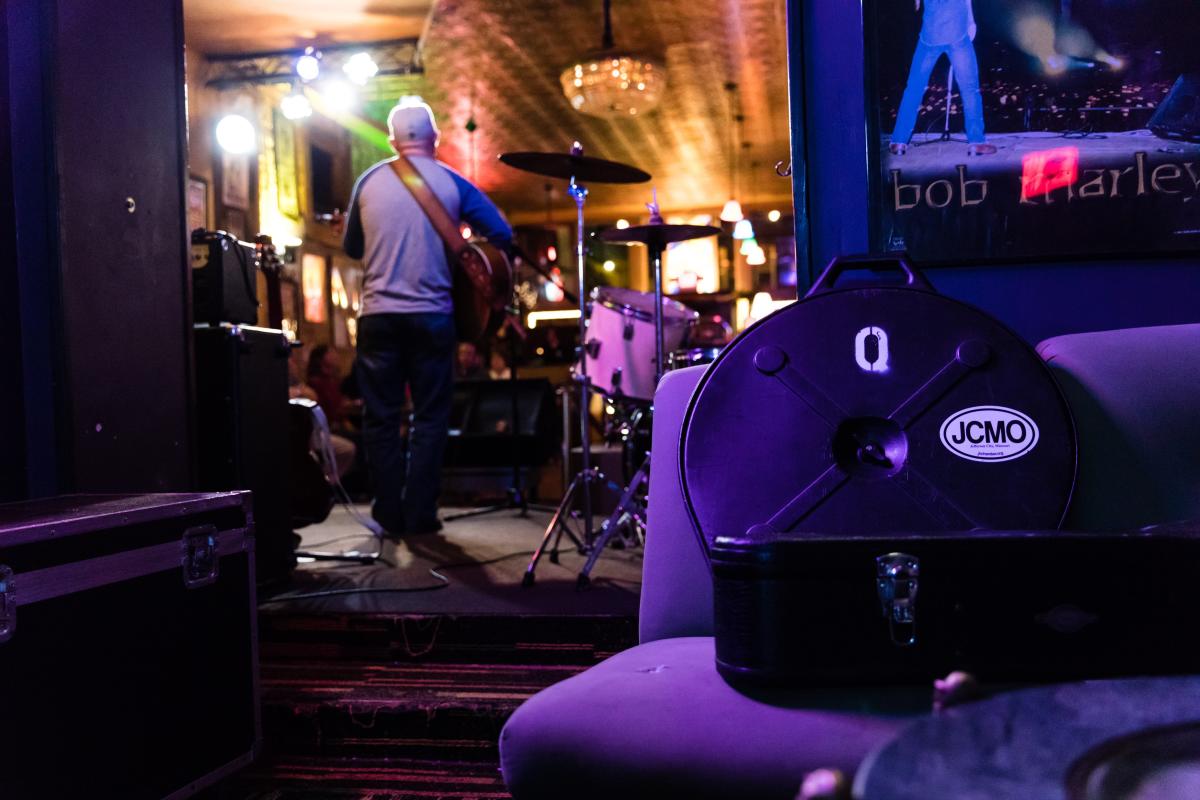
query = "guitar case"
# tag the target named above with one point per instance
(890, 510)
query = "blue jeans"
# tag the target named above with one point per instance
(966, 74)
(399, 352)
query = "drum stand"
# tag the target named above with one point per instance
(630, 508)
(577, 500)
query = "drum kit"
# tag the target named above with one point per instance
(627, 339)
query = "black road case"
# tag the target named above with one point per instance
(128, 645)
(1005, 606)
(242, 426)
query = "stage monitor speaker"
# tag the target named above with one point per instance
(1178, 115)
(481, 419)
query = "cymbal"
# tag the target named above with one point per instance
(658, 235)
(583, 168)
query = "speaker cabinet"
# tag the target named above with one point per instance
(242, 422)
(482, 419)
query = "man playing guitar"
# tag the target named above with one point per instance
(406, 329)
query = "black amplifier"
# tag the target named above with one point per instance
(224, 279)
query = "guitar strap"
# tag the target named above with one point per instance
(429, 203)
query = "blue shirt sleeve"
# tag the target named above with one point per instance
(478, 211)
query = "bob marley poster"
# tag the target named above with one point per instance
(1015, 129)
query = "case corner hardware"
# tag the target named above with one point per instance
(8, 604)
(201, 561)
(897, 579)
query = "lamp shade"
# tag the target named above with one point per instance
(743, 230)
(732, 212)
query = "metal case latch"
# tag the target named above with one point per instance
(896, 581)
(201, 561)
(8, 605)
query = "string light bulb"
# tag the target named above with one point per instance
(360, 68)
(308, 66)
(235, 134)
(296, 106)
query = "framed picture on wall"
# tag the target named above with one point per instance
(1022, 129)
(235, 180)
(197, 203)
(234, 221)
(285, 166)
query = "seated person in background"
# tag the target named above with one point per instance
(467, 363)
(324, 385)
(296, 385)
(324, 376)
(498, 367)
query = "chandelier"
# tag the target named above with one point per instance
(612, 83)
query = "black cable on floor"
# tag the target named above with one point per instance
(483, 563)
(360, 590)
(435, 571)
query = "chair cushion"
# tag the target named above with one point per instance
(657, 720)
(1135, 395)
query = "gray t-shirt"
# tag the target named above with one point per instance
(404, 259)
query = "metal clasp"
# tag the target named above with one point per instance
(896, 581)
(8, 605)
(201, 561)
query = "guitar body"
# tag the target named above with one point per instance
(483, 287)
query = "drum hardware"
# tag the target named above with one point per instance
(575, 167)
(692, 357)
(629, 513)
(656, 236)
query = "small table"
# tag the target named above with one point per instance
(1076, 741)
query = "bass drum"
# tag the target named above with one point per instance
(620, 340)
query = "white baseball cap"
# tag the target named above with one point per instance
(411, 120)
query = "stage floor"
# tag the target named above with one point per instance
(929, 155)
(482, 557)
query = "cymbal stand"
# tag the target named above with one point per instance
(630, 508)
(577, 500)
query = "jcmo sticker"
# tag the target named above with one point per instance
(989, 433)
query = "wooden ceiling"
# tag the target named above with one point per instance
(247, 26)
(498, 62)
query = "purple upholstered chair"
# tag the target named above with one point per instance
(1135, 394)
(657, 718)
